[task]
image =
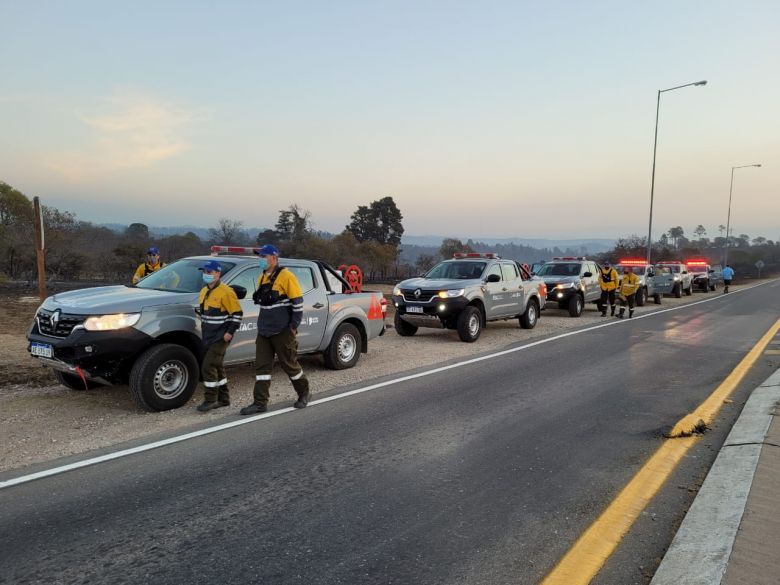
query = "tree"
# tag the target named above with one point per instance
(424, 263)
(700, 232)
(380, 222)
(293, 223)
(759, 241)
(228, 232)
(721, 229)
(450, 246)
(675, 234)
(137, 231)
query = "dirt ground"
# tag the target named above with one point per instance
(40, 420)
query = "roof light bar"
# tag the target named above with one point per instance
(216, 250)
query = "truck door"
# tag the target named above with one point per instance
(515, 285)
(315, 308)
(497, 299)
(242, 348)
(660, 279)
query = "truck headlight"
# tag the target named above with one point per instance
(564, 285)
(677, 277)
(396, 292)
(111, 322)
(449, 294)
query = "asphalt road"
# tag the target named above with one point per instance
(484, 473)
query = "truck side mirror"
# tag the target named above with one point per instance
(240, 290)
(494, 278)
(587, 274)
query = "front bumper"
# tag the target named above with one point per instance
(560, 295)
(433, 314)
(101, 355)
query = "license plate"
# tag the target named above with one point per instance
(414, 309)
(42, 350)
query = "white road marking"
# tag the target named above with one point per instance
(222, 427)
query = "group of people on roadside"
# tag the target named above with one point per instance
(279, 295)
(626, 287)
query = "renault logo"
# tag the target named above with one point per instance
(417, 293)
(55, 318)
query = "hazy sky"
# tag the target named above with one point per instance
(529, 119)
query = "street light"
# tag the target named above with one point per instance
(655, 145)
(728, 218)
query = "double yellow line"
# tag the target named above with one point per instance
(592, 549)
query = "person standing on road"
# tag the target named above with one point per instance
(629, 284)
(220, 316)
(281, 310)
(152, 264)
(728, 276)
(608, 280)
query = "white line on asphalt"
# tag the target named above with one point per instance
(251, 419)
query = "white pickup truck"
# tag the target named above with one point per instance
(148, 335)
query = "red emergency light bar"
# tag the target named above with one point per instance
(632, 262)
(215, 250)
(490, 255)
(697, 262)
(569, 258)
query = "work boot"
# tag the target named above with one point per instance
(254, 409)
(630, 313)
(622, 312)
(613, 311)
(604, 313)
(303, 400)
(207, 405)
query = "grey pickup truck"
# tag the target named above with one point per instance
(148, 335)
(465, 293)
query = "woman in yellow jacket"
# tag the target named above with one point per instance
(629, 284)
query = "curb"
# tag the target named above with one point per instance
(700, 551)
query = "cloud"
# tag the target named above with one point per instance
(130, 131)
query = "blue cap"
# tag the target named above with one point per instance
(153, 250)
(268, 250)
(212, 266)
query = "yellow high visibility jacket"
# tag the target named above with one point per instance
(145, 270)
(629, 284)
(608, 279)
(220, 312)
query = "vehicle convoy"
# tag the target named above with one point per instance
(705, 277)
(571, 282)
(465, 293)
(148, 335)
(654, 281)
(683, 279)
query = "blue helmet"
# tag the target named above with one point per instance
(268, 250)
(212, 266)
(153, 251)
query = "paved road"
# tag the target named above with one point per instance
(480, 474)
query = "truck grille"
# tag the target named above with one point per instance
(60, 325)
(424, 297)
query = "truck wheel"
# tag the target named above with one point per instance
(677, 292)
(657, 299)
(641, 297)
(705, 287)
(403, 328)
(75, 382)
(164, 377)
(714, 287)
(469, 324)
(576, 305)
(344, 349)
(531, 316)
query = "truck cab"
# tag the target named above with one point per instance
(705, 277)
(654, 281)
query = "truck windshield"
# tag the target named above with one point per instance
(559, 270)
(457, 270)
(183, 276)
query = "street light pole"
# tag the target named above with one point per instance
(728, 217)
(655, 148)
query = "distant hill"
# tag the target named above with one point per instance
(592, 245)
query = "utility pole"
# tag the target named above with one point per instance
(39, 249)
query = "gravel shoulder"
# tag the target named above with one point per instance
(40, 421)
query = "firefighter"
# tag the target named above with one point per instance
(220, 316)
(629, 284)
(728, 276)
(281, 310)
(608, 280)
(152, 264)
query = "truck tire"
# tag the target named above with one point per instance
(531, 316)
(164, 377)
(714, 287)
(641, 297)
(576, 304)
(344, 349)
(403, 328)
(657, 299)
(469, 324)
(75, 382)
(677, 291)
(705, 287)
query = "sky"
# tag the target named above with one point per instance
(480, 119)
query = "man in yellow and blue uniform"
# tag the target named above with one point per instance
(629, 284)
(281, 310)
(152, 264)
(608, 281)
(220, 316)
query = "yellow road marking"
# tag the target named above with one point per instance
(707, 410)
(586, 557)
